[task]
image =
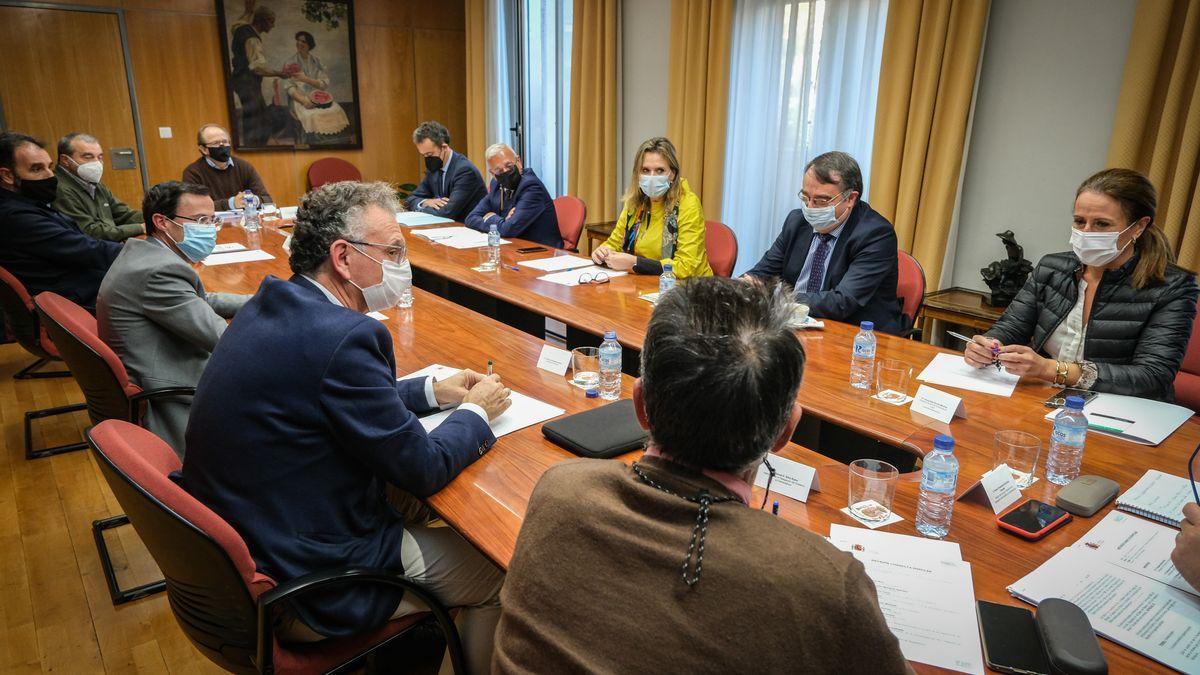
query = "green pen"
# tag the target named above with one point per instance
(1110, 430)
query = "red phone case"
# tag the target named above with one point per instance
(1026, 534)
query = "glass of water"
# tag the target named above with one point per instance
(585, 367)
(891, 380)
(487, 260)
(1020, 451)
(872, 488)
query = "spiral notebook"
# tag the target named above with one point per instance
(1158, 496)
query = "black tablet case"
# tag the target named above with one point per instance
(603, 432)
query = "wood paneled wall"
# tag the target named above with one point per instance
(411, 67)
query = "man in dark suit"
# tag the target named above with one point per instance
(294, 446)
(42, 248)
(837, 251)
(518, 203)
(452, 185)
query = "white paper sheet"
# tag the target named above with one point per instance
(250, 255)
(860, 542)
(1160, 494)
(792, 478)
(456, 237)
(951, 370)
(437, 370)
(417, 219)
(228, 248)
(571, 277)
(1139, 420)
(524, 411)
(557, 263)
(1150, 618)
(1137, 545)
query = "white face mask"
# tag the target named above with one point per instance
(822, 218)
(397, 278)
(654, 186)
(1095, 249)
(89, 171)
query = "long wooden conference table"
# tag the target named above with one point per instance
(487, 502)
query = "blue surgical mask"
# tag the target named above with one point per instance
(198, 240)
(654, 186)
(822, 218)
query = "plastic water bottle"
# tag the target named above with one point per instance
(406, 299)
(494, 243)
(250, 218)
(1066, 443)
(666, 281)
(610, 367)
(862, 360)
(939, 476)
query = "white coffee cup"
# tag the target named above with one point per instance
(800, 314)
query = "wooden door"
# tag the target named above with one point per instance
(64, 71)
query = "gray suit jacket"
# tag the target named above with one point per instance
(153, 311)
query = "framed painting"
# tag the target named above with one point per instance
(291, 79)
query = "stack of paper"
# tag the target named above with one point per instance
(951, 370)
(456, 237)
(571, 277)
(1120, 573)
(557, 263)
(525, 411)
(925, 592)
(242, 256)
(1139, 420)
(417, 219)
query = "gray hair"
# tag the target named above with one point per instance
(497, 148)
(331, 212)
(837, 167)
(64, 143)
(720, 371)
(434, 131)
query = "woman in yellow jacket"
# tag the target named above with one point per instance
(662, 221)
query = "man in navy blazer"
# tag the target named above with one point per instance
(299, 425)
(518, 202)
(452, 185)
(43, 249)
(837, 251)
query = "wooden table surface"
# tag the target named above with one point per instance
(487, 502)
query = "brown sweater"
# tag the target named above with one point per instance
(595, 585)
(227, 182)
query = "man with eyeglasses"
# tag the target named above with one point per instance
(215, 169)
(518, 203)
(838, 252)
(153, 309)
(299, 424)
(43, 249)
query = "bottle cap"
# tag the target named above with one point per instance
(944, 442)
(867, 325)
(592, 393)
(610, 335)
(667, 267)
(1075, 403)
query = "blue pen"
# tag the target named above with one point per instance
(774, 508)
(514, 268)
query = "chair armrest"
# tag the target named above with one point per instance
(357, 575)
(137, 399)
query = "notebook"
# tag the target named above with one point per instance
(1158, 496)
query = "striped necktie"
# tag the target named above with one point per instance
(817, 275)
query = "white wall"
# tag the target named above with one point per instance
(1048, 89)
(645, 46)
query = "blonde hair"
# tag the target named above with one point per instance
(1138, 199)
(634, 198)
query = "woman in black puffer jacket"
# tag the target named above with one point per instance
(1112, 315)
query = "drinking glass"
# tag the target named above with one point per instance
(487, 262)
(891, 380)
(872, 488)
(1020, 451)
(585, 367)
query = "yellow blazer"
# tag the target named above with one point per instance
(690, 259)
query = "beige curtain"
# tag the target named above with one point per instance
(698, 93)
(1157, 126)
(592, 165)
(477, 140)
(931, 54)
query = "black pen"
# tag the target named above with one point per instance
(1112, 417)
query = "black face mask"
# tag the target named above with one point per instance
(509, 180)
(42, 191)
(219, 153)
(433, 163)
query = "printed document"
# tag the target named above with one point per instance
(951, 370)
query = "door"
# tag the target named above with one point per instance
(64, 71)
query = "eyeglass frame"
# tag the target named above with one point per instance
(594, 279)
(215, 221)
(844, 194)
(388, 248)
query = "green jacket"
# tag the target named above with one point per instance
(103, 217)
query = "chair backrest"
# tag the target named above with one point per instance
(721, 244)
(21, 318)
(211, 579)
(572, 214)
(1187, 380)
(331, 170)
(910, 288)
(95, 366)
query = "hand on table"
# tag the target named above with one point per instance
(490, 395)
(435, 203)
(601, 254)
(1023, 361)
(451, 390)
(621, 262)
(1186, 555)
(981, 351)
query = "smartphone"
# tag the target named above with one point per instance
(1010, 639)
(1033, 519)
(531, 249)
(1059, 399)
